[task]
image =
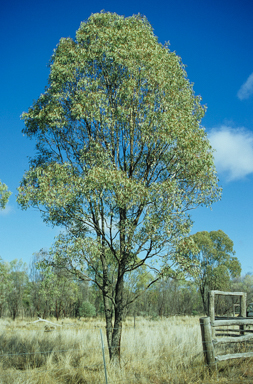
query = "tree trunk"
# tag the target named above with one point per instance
(108, 320)
(56, 310)
(114, 333)
(107, 304)
(117, 329)
(14, 313)
(204, 301)
(119, 293)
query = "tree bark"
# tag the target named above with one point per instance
(204, 301)
(107, 304)
(119, 293)
(117, 329)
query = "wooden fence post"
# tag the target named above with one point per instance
(243, 306)
(208, 347)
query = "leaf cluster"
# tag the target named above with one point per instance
(4, 195)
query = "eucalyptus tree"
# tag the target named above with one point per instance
(217, 263)
(18, 294)
(4, 195)
(4, 284)
(121, 156)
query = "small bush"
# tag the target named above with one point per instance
(87, 309)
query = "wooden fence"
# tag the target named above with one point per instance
(214, 334)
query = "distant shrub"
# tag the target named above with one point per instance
(87, 309)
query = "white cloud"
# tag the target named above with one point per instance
(246, 89)
(234, 151)
(8, 209)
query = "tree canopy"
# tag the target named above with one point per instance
(121, 156)
(4, 195)
(217, 263)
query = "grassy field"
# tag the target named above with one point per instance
(156, 351)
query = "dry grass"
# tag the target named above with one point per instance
(167, 351)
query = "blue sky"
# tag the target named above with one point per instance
(215, 42)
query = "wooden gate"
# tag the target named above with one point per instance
(214, 334)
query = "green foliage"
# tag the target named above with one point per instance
(4, 195)
(87, 309)
(121, 155)
(17, 293)
(4, 284)
(243, 284)
(46, 292)
(217, 263)
(57, 288)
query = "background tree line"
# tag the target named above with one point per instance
(45, 290)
